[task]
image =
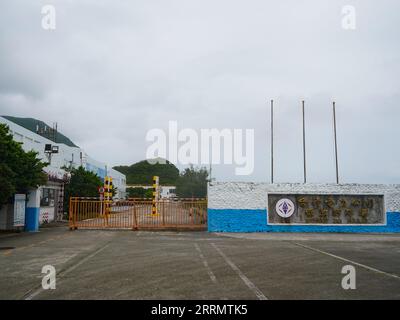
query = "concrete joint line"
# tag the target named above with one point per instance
(205, 263)
(347, 260)
(246, 280)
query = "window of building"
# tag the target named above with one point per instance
(47, 197)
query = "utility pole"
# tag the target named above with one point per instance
(335, 139)
(304, 144)
(272, 141)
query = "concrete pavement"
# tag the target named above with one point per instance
(100, 264)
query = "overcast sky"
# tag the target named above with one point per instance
(112, 70)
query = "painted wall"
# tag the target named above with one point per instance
(242, 207)
(46, 215)
(119, 181)
(32, 211)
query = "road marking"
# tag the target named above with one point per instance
(203, 259)
(63, 273)
(246, 280)
(350, 261)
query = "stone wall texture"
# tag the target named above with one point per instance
(242, 206)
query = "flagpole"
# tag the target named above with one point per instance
(304, 144)
(335, 138)
(272, 141)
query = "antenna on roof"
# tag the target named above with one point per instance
(55, 131)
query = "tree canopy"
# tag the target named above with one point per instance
(139, 193)
(83, 183)
(142, 172)
(192, 182)
(19, 170)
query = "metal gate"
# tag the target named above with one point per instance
(137, 214)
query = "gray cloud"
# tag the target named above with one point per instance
(130, 66)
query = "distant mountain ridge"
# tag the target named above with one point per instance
(31, 124)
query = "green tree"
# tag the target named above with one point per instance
(136, 192)
(83, 183)
(7, 183)
(148, 193)
(142, 172)
(192, 182)
(19, 170)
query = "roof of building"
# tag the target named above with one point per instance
(32, 124)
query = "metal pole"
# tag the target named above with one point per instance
(334, 132)
(272, 141)
(304, 144)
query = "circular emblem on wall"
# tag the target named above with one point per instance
(284, 208)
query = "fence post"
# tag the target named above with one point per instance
(135, 226)
(163, 213)
(70, 213)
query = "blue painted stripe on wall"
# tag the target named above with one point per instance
(249, 220)
(32, 219)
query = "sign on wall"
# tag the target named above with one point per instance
(325, 209)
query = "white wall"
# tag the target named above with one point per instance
(168, 191)
(119, 181)
(67, 155)
(247, 195)
(32, 141)
(46, 215)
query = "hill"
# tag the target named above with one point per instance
(142, 173)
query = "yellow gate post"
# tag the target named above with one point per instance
(107, 197)
(156, 195)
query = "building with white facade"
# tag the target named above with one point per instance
(51, 195)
